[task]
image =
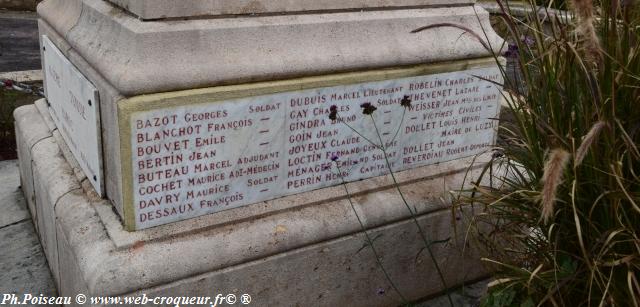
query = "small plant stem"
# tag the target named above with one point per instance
(413, 216)
(367, 237)
(404, 111)
(358, 133)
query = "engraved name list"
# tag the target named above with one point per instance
(202, 158)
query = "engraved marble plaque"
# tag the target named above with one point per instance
(74, 107)
(200, 158)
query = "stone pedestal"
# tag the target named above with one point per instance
(301, 250)
(262, 74)
(153, 10)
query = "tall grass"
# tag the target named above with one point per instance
(562, 199)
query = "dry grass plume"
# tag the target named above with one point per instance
(586, 28)
(551, 179)
(588, 139)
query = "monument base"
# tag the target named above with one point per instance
(297, 255)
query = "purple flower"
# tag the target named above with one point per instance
(333, 112)
(8, 83)
(334, 157)
(512, 51)
(367, 108)
(380, 291)
(406, 101)
(527, 40)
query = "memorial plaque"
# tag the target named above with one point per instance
(74, 107)
(200, 158)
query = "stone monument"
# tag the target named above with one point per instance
(185, 148)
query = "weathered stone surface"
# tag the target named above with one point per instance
(28, 116)
(469, 295)
(43, 108)
(139, 57)
(12, 202)
(53, 178)
(299, 233)
(139, 265)
(38, 130)
(26, 175)
(83, 246)
(22, 263)
(155, 9)
(338, 273)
